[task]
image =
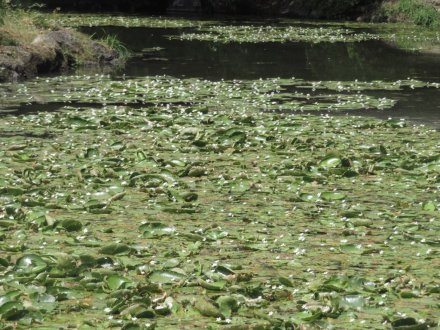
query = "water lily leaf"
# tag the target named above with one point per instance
(352, 301)
(116, 282)
(214, 286)
(71, 225)
(215, 235)
(12, 191)
(206, 308)
(285, 281)
(156, 229)
(225, 269)
(350, 248)
(4, 262)
(190, 197)
(429, 206)
(308, 316)
(197, 172)
(7, 224)
(408, 323)
(44, 302)
(406, 294)
(308, 197)
(332, 196)
(115, 249)
(30, 264)
(343, 283)
(87, 260)
(139, 311)
(227, 305)
(180, 210)
(78, 121)
(12, 310)
(330, 161)
(163, 309)
(166, 277)
(4, 299)
(171, 263)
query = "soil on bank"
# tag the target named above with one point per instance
(27, 50)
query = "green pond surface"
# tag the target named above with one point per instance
(233, 175)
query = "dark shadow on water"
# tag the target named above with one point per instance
(364, 61)
(371, 60)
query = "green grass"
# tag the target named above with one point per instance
(3, 7)
(415, 11)
(18, 27)
(113, 42)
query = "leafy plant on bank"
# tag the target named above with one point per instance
(3, 8)
(416, 11)
(113, 42)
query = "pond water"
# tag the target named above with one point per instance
(201, 186)
(339, 61)
(160, 49)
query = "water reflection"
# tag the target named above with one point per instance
(365, 61)
(371, 60)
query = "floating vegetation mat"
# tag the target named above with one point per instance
(79, 20)
(258, 34)
(410, 37)
(189, 208)
(254, 95)
(404, 36)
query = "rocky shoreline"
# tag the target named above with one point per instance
(53, 52)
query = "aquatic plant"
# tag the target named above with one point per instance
(257, 34)
(114, 43)
(77, 20)
(188, 206)
(419, 12)
(264, 94)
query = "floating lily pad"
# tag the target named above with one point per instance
(139, 311)
(330, 162)
(285, 281)
(115, 249)
(166, 277)
(116, 282)
(305, 197)
(71, 225)
(30, 264)
(206, 308)
(227, 305)
(332, 196)
(12, 310)
(156, 229)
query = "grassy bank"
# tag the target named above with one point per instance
(418, 12)
(18, 27)
(30, 46)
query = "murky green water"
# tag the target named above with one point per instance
(363, 61)
(202, 186)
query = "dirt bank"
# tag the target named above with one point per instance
(53, 51)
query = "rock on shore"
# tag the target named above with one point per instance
(52, 52)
